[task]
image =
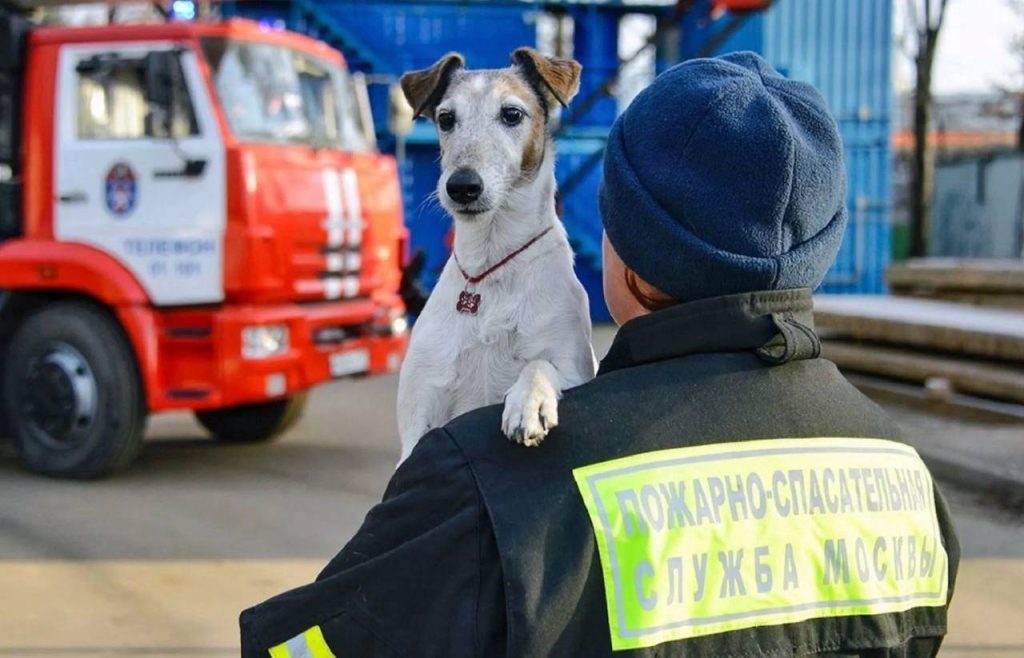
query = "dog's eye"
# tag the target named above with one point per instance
(445, 121)
(511, 116)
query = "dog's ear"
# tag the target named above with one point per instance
(424, 89)
(557, 80)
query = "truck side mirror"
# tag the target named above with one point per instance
(359, 87)
(159, 73)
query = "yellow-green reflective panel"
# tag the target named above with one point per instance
(707, 539)
(308, 644)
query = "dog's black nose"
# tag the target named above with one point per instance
(464, 186)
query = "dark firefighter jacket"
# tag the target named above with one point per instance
(481, 547)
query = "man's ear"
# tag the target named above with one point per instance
(557, 79)
(424, 89)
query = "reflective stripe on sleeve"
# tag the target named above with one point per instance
(308, 644)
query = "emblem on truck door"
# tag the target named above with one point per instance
(121, 189)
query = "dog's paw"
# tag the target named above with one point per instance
(531, 410)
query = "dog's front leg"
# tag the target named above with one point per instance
(423, 403)
(531, 405)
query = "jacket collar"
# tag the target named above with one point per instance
(777, 325)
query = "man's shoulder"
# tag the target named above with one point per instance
(476, 426)
(437, 463)
(686, 401)
(479, 430)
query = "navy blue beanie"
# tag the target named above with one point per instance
(724, 177)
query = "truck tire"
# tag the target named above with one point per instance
(253, 423)
(5, 331)
(72, 392)
(5, 430)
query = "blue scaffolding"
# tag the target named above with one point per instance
(841, 46)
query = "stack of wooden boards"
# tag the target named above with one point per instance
(975, 349)
(993, 282)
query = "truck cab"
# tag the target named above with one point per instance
(194, 217)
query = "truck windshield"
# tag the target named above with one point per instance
(270, 93)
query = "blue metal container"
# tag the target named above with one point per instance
(842, 47)
(595, 46)
(578, 172)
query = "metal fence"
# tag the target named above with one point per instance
(979, 207)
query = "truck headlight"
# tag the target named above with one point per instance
(264, 341)
(389, 321)
(399, 325)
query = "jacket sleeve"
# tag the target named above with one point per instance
(408, 583)
(950, 541)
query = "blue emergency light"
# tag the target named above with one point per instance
(183, 10)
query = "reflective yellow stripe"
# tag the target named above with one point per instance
(722, 537)
(280, 651)
(308, 644)
(317, 644)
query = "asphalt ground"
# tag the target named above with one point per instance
(158, 561)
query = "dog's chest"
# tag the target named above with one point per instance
(485, 370)
(477, 357)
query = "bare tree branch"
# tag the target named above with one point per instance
(942, 15)
(912, 17)
(928, 16)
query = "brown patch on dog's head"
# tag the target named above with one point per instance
(508, 83)
(533, 150)
(425, 88)
(556, 80)
(553, 82)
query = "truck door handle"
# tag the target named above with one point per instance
(73, 197)
(193, 168)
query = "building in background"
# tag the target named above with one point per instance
(978, 210)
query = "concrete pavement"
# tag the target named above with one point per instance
(160, 560)
(135, 607)
(977, 443)
(985, 618)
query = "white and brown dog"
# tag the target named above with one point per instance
(508, 319)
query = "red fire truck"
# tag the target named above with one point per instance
(192, 217)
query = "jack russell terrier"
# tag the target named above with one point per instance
(508, 320)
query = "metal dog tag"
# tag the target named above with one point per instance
(469, 302)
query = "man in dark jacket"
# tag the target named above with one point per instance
(717, 490)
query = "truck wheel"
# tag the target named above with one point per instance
(72, 393)
(5, 429)
(253, 423)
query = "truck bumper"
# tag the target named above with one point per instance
(199, 361)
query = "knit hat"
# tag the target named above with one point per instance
(724, 177)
